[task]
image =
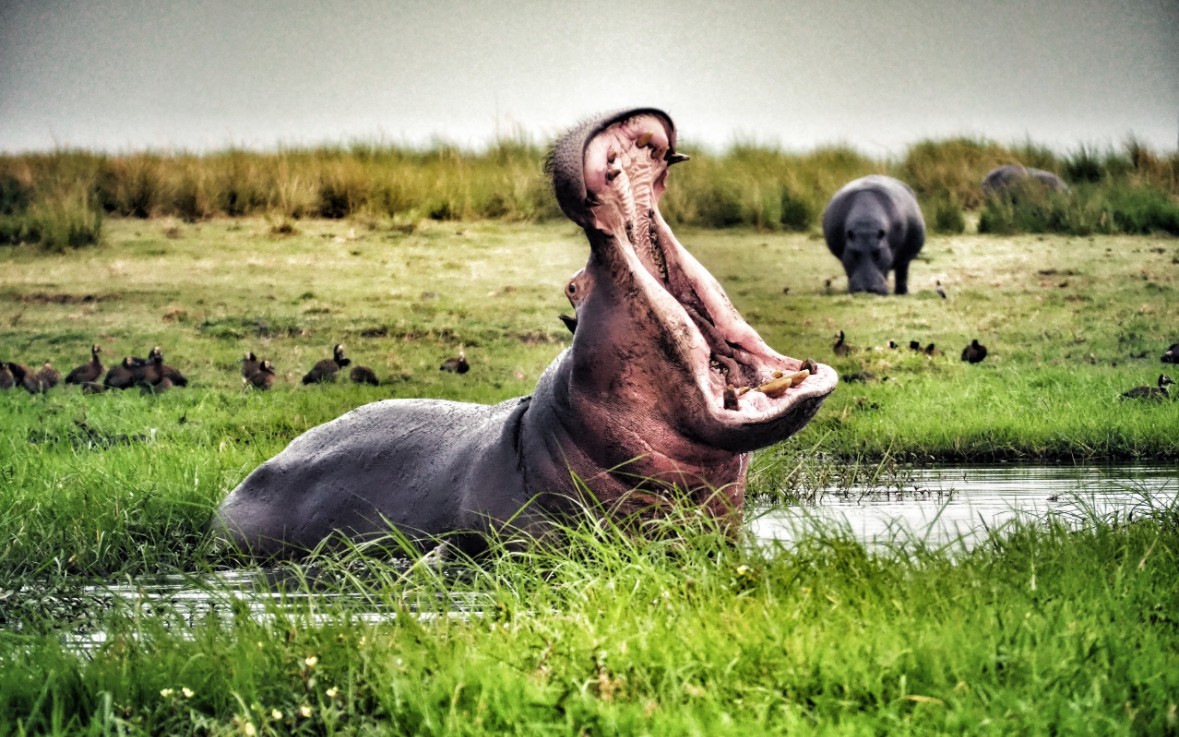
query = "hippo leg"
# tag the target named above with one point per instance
(901, 270)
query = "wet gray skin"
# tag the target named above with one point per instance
(873, 225)
(656, 405)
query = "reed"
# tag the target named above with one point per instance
(745, 185)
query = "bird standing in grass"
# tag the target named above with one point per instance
(975, 352)
(124, 375)
(262, 377)
(326, 370)
(88, 372)
(7, 380)
(250, 364)
(456, 365)
(941, 292)
(363, 375)
(1151, 392)
(841, 348)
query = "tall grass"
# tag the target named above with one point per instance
(1130, 189)
(1040, 630)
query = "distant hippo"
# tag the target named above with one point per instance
(1004, 178)
(874, 225)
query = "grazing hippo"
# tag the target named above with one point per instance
(874, 225)
(657, 404)
(1003, 179)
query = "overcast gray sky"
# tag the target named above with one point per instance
(131, 74)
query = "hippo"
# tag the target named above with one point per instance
(874, 225)
(1003, 179)
(655, 407)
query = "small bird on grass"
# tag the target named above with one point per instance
(262, 377)
(456, 365)
(841, 348)
(941, 292)
(327, 369)
(1172, 354)
(975, 352)
(1151, 392)
(88, 372)
(363, 375)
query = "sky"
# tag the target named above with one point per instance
(198, 75)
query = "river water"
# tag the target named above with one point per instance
(957, 507)
(950, 508)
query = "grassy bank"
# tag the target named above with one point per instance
(1045, 631)
(1070, 324)
(1041, 629)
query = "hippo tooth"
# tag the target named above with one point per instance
(611, 155)
(742, 391)
(644, 139)
(781, 384)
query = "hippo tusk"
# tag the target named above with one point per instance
(779, 385)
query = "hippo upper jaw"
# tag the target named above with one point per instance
(658, 330)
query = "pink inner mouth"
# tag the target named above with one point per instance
(743, 379)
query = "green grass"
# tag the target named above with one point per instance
(1130, 189)
(1041, 629)
(1045, 630)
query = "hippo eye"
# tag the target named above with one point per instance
(571, 288)
(880, 234)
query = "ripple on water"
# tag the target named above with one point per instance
(957, 507)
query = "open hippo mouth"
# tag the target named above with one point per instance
(654, 313)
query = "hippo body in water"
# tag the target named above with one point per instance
(1005, 179)
(656, 405)
(874, 225)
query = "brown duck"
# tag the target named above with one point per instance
(1156, 393)
(327, 369)
(88, 372)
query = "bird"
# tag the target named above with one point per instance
(975, 352)
(326, 369)
(892, 345)
(457, 364)
(1150, 392)
(7, 380)
(34, 382)
(123, 376)
(250, 364)
(931, 350)
(915, 345)
(363, 375)
(262, 377)
(841, 347)
(941, 292)
(1172, 354)
(89, 371)
(48, 376)
(167, 372)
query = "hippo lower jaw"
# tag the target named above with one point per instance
(722, 385)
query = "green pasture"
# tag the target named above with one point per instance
(1042, 629)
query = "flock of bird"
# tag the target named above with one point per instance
(152, 376)
(977, 352)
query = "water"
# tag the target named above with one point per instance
(953, 508)
(957, 507)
